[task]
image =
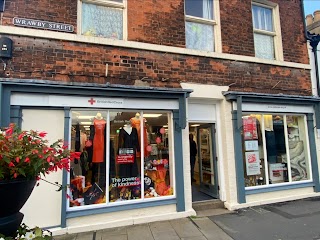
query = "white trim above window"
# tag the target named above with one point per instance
(267, 37)
(94, 18)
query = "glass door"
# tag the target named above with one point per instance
(207, 160)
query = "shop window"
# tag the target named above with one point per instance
(201, 24)
(102, 18)
(126, 156)
(268, 142)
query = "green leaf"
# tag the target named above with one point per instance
(38, 232)
(22, 172)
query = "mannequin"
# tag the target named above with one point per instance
(128, 138)
(98, 139)
(135, 122)
(128, 128)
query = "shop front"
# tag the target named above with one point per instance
(274, 138)
(131, 168)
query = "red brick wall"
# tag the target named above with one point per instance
(293, 40)
(62, 11)
(158, 22)
(76, 62)
(236, 27)
(162, 22)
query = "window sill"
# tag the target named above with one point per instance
(112, 208)
(278, 187)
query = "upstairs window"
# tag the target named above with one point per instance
(104, 18)
(266, 29)
(201, 22)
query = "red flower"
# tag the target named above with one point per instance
(42, 134)
(15, 175)
(21, 136)
(74, 155)
(27, 160)
(9, 131)
(48, 159)
(17, 159)
(11, 164)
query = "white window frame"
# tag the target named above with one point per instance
(276, 34)
(215, 23)
(105, 3)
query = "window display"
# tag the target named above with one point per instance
(125, 156)
(268, 142)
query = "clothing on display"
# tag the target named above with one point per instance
(98, 140)
(128, 138)
(136, 123)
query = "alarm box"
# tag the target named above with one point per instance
(5, 47)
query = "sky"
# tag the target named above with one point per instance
(310, 6)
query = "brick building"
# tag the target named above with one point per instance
(227, 71)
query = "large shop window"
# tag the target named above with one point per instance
(275, 149)
(125, 157)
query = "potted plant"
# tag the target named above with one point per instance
(24, 157)
(26, 233)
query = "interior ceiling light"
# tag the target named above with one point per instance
(195, 125)
(85, 123)
(152, 115)
(85, 117)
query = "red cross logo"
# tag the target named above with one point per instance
(91, 101)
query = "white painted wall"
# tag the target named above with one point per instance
(43, 208)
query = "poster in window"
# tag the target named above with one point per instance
(252, 163)
(251, 145)
(276, 172)
(126, 155)
(250, 128)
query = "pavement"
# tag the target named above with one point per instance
(294, 220)
(192, 228)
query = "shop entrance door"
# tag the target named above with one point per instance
(207, 160)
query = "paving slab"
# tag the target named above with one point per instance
(185, 228)
(163, 231)
(85, 236)
(139, 232)
(119, 233)
(209, 230)
(65, 237)
(194, 238)
(113, 237)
